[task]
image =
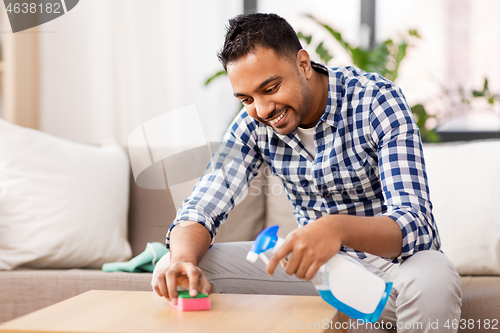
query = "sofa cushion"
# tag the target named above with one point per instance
(62, 204)
(464, 182)
(481, 298)
(27, 290)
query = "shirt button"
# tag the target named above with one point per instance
(326, 195)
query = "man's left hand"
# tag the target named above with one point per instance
(310, 246)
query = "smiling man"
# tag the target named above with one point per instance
(349, 154)
(269, 99)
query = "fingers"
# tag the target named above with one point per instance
(272, 265)
(161, 289)
(206, 287)
(300, 266)
(166, 280)
(311, 271)
(171, 281)
(279, 255)
(300, 260)
(158, 282)
(194, 275)
(307, 255)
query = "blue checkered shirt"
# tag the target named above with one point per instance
(369, 162)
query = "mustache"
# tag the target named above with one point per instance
(274, 114)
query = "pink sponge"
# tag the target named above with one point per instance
(189, 303)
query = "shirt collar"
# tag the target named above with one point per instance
(334, 102)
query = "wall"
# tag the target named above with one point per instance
(108, 66)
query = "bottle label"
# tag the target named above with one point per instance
(354, 285)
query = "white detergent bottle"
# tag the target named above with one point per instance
(350, 285)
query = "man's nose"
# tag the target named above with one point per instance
(264, 108)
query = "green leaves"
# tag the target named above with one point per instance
(421, 117)
(384, 58)
(336, 35)
(306, 39)
(486, 93)
(323, 53)
(413, 33)
(210, 79)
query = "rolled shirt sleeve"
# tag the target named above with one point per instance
(402, 171)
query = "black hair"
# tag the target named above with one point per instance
(246, 31)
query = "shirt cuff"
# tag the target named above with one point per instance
(415, 233)
(193, 216)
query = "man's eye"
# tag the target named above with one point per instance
(273, 88)
(245, 101)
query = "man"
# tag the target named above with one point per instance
(349, 154)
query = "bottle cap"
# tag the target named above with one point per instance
(252, 256)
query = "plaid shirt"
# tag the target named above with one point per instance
(369, 162)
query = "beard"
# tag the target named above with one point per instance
(297, 115)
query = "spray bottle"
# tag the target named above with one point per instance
(350, 285)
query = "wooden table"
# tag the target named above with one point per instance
(138, 311)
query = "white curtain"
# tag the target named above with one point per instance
(109, 66)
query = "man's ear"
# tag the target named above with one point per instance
(304, 63)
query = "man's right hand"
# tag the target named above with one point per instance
(167, 276)
(190, 241)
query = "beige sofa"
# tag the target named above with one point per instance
(150, 213)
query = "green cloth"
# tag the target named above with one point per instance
(144, 262)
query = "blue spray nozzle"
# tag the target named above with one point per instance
(266, 240)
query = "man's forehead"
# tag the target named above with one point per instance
(262, 53)
(258, 68)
